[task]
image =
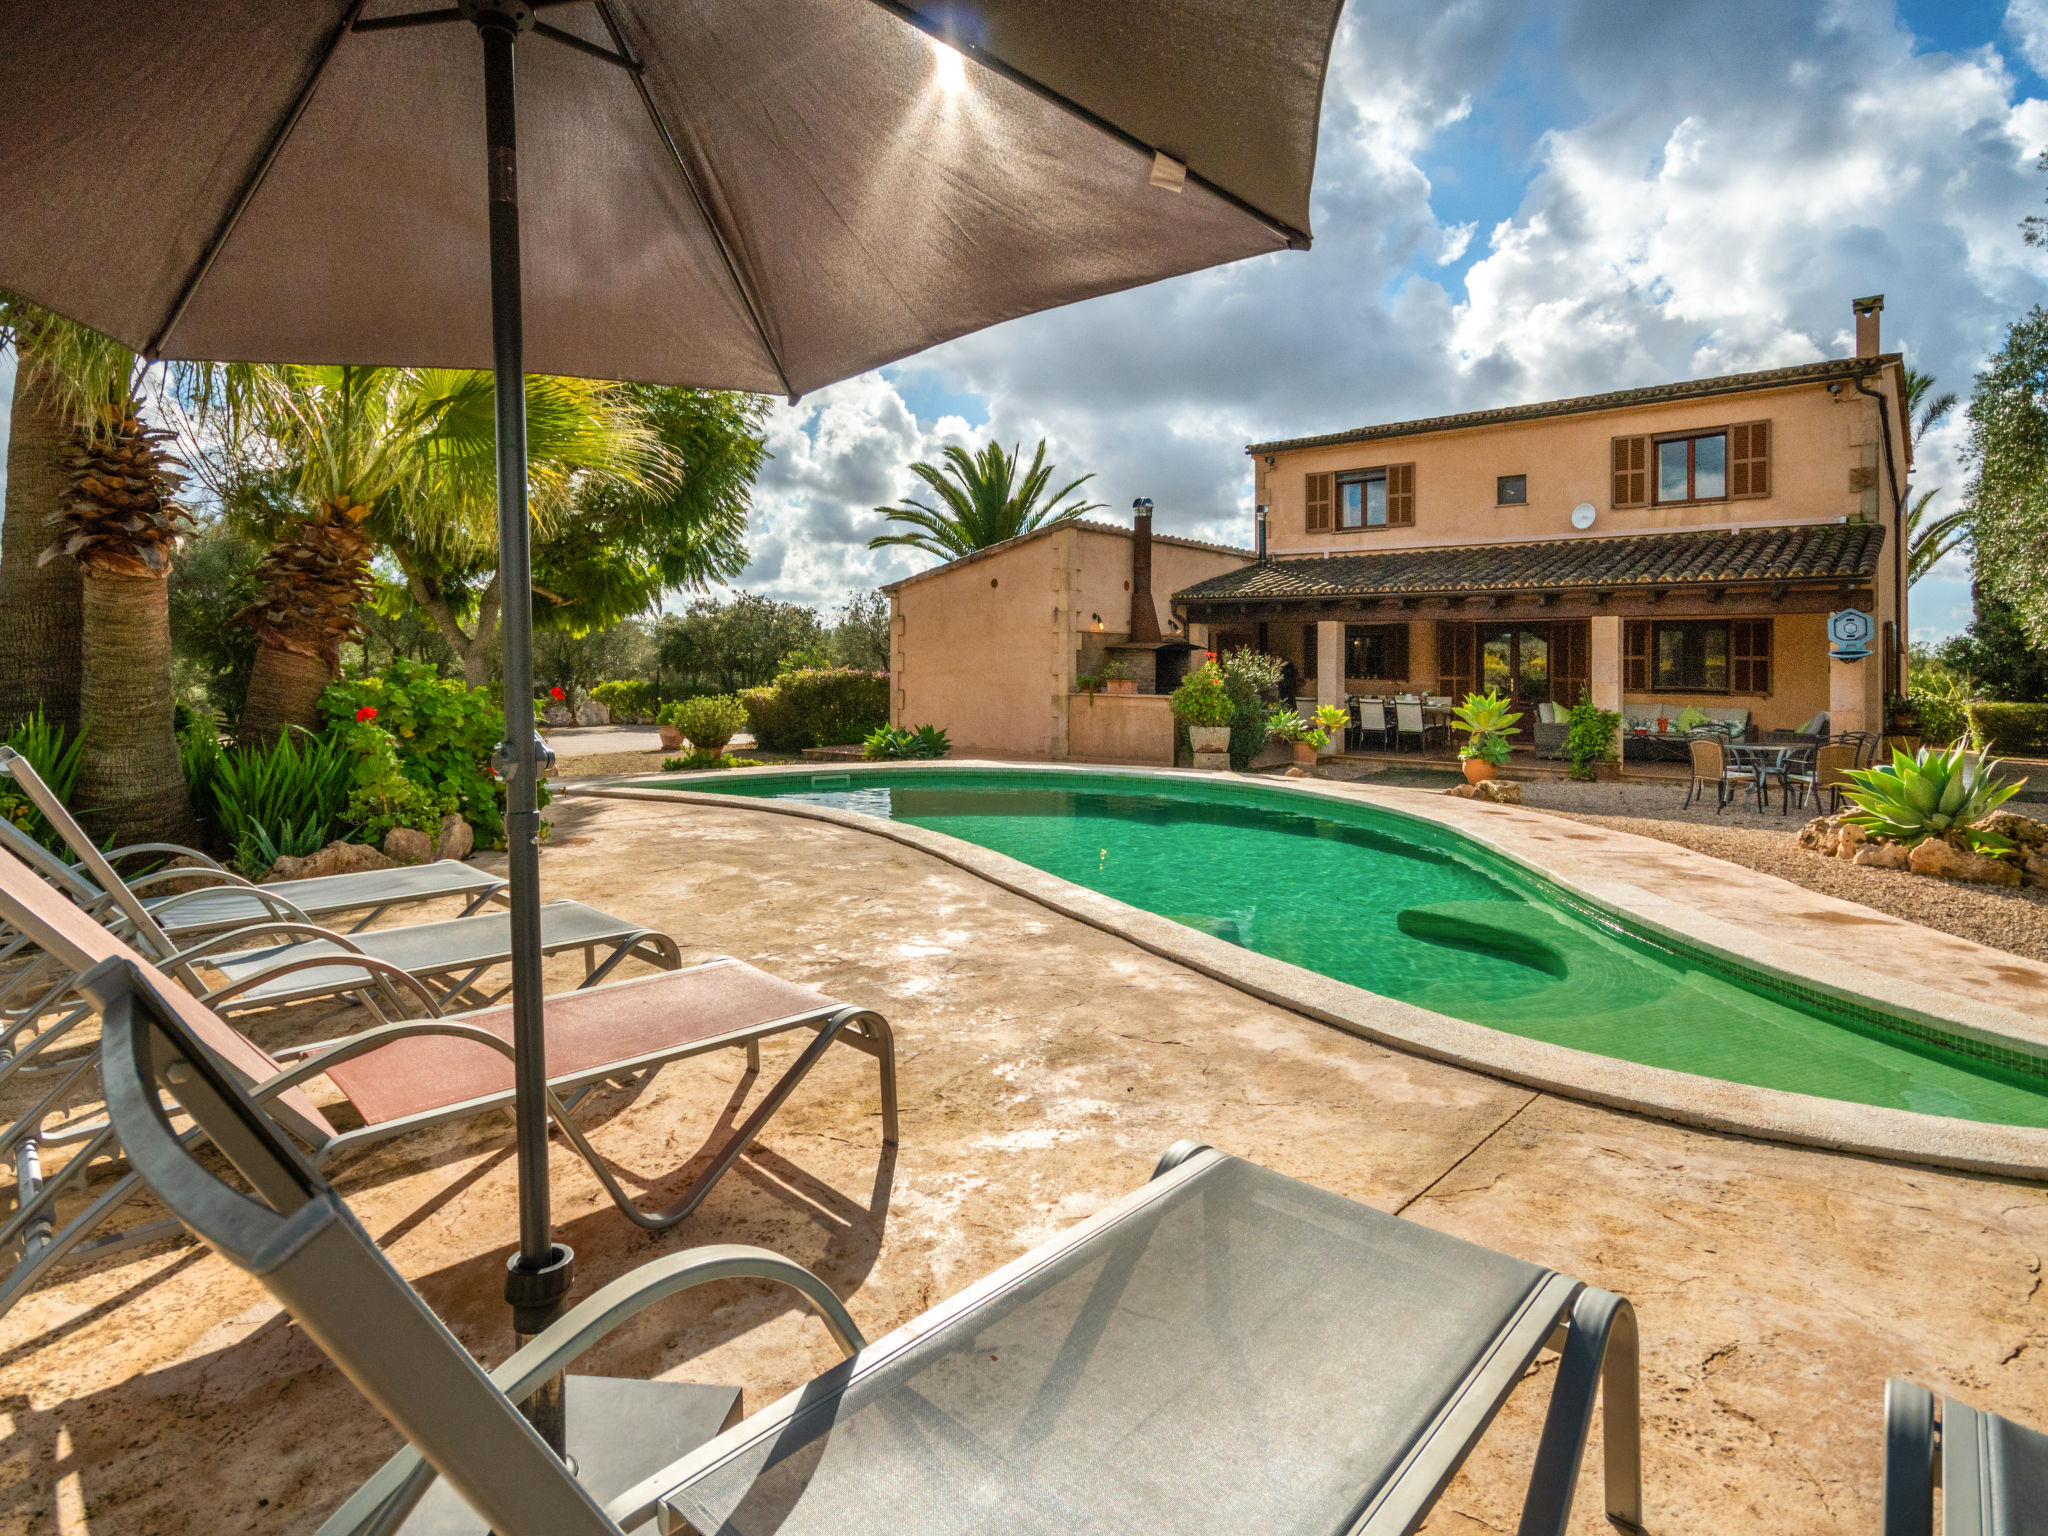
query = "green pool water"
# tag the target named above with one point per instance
(1414, 911)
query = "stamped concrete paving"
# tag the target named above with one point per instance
(1044, 1066)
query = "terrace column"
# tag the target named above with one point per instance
(1606, 669)
(1330, 664)
(1846, 683)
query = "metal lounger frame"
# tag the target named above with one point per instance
(461, 1422)
(1992, 1473)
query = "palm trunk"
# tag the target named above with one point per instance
(284, 691)
(39, 604)
(130, 784)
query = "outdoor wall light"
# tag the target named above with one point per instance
(1097, 618)
(1835, 389)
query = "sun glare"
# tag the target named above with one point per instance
(949, 68)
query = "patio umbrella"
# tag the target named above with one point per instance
(746, 194)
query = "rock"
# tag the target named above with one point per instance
(1493, 791)
(2022, 831)
(559, 714)
(337, 858)
(1848, 838)
(1936, 857)
(455, 840)
(1819, 834)
(407, 845)
(1883, 855)
(2035, 871)
(1296, 772)
(179, 887)
(590, 712)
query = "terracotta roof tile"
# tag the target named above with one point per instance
(1813, 552)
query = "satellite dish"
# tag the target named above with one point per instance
(1583, 515)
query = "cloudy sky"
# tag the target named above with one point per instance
(1514, 201)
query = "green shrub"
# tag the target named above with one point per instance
(1487, 719)
(1200, 699)
(1287, 725)
(441, 734)
(698, 761)
(887, 743)
(2009, 730)
(707, 723)
(629, 699)
(817, 707)
(1589, 735)
(1248, 676)
(1931, 794)
(1944, 718)
(53, 753)
(293, 796)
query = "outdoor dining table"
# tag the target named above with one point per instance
(1767, 763)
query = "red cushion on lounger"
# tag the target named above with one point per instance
(605, 1026)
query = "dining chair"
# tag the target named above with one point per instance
(1408, 722)
(1711, 764)
(1831, 765)
(1369, 719)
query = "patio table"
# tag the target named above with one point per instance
(1767, 763)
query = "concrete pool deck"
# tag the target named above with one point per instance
(1045, 1064)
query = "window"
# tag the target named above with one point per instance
(1693, 468)
(1316, 518)
(1362, 500)
(1378, 651)
(1358, 499)
(1697, 656)
(1511, 491)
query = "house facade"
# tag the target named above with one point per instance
(993, 647)
(1682, 544)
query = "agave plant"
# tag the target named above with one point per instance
(1489, 719)
(1931, 794)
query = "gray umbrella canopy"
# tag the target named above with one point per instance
(784, 193)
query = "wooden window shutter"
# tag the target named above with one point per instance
(1397, 650)
(1749, 460)
(1571, 649)
(1749, 656)
(1322, 501)
(1457, 657)
(1308, 651)
(1400, 495)
(1631, 472)
(1635, 655)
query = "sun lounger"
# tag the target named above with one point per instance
(1224, 1349)
(229, 901)
(407, 1076)
(1993, 1473)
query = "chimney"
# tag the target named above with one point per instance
(1144, 618)
(1867, 311)
(1259, 523)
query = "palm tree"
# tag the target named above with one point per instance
(1928, 539)
(116, 528)
(983, 503)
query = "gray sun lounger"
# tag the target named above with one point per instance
(1993, 1473)
(400, 1078)
(229, 901)
(1222, 1350)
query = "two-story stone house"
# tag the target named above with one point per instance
(1658, 547)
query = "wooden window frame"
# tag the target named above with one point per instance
(1689, 438)
(1395, 639)
(1500, 498)
(1635, 656)
(1399, 480)
(1749, 656)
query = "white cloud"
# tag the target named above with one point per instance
(2026, 21)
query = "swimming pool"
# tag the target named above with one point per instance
(1408, 909)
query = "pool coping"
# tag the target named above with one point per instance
(1682, 1097)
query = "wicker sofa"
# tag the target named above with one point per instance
(1548, 736)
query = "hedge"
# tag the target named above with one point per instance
(817, 707)
(1943, 721)
(2010, 730)
(629, 699)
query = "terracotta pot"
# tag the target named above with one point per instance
(671, 739)
(1305, 753)
(1121, 685)
(1209, 738)
(1663, 724)
(1478, 770)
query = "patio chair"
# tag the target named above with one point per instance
(1865, 743)
(1831, 765)
(227, 901)
(408, 1076)
(1222, 1349)
(1993, 1473)
(1369, 723)
(1711, 766)
(1796, 774)
(1409, 721)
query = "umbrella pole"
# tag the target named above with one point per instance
(539, 1277)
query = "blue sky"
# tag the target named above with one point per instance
(1514, 201)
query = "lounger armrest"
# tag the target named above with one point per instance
(381, 1503)
(316, 1062)
(175, 850)
(219, 877)
(1909, 1441)
(1599, 1359)
(283, 928)
(355, 962)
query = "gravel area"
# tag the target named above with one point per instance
(2012, 920)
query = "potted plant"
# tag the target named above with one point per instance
(1119, 677)
(1333, 720)
(1089, 683)
(1589, 738)
(665, 722)
(1285, 725)
(1487, 720)
(1202, 705)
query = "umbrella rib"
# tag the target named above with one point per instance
(154, 348)
(668, 139)
(1295, 238)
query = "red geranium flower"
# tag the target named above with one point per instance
(367, 712)
(556, 693)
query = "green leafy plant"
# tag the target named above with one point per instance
(1943, 702)
(1200, 699)
(1333, 720)
(1285, 725)
(817, 707)
(805, 658)
(888, 743)
(1589, 735)
(1090, 683)
(2017, 730)
(709, 722)
(54, 754)
(1248, 677)
(628, 698)
(1931, 794)
(698, 761)
(297, 791)
(441, 735)
(1487, 720)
